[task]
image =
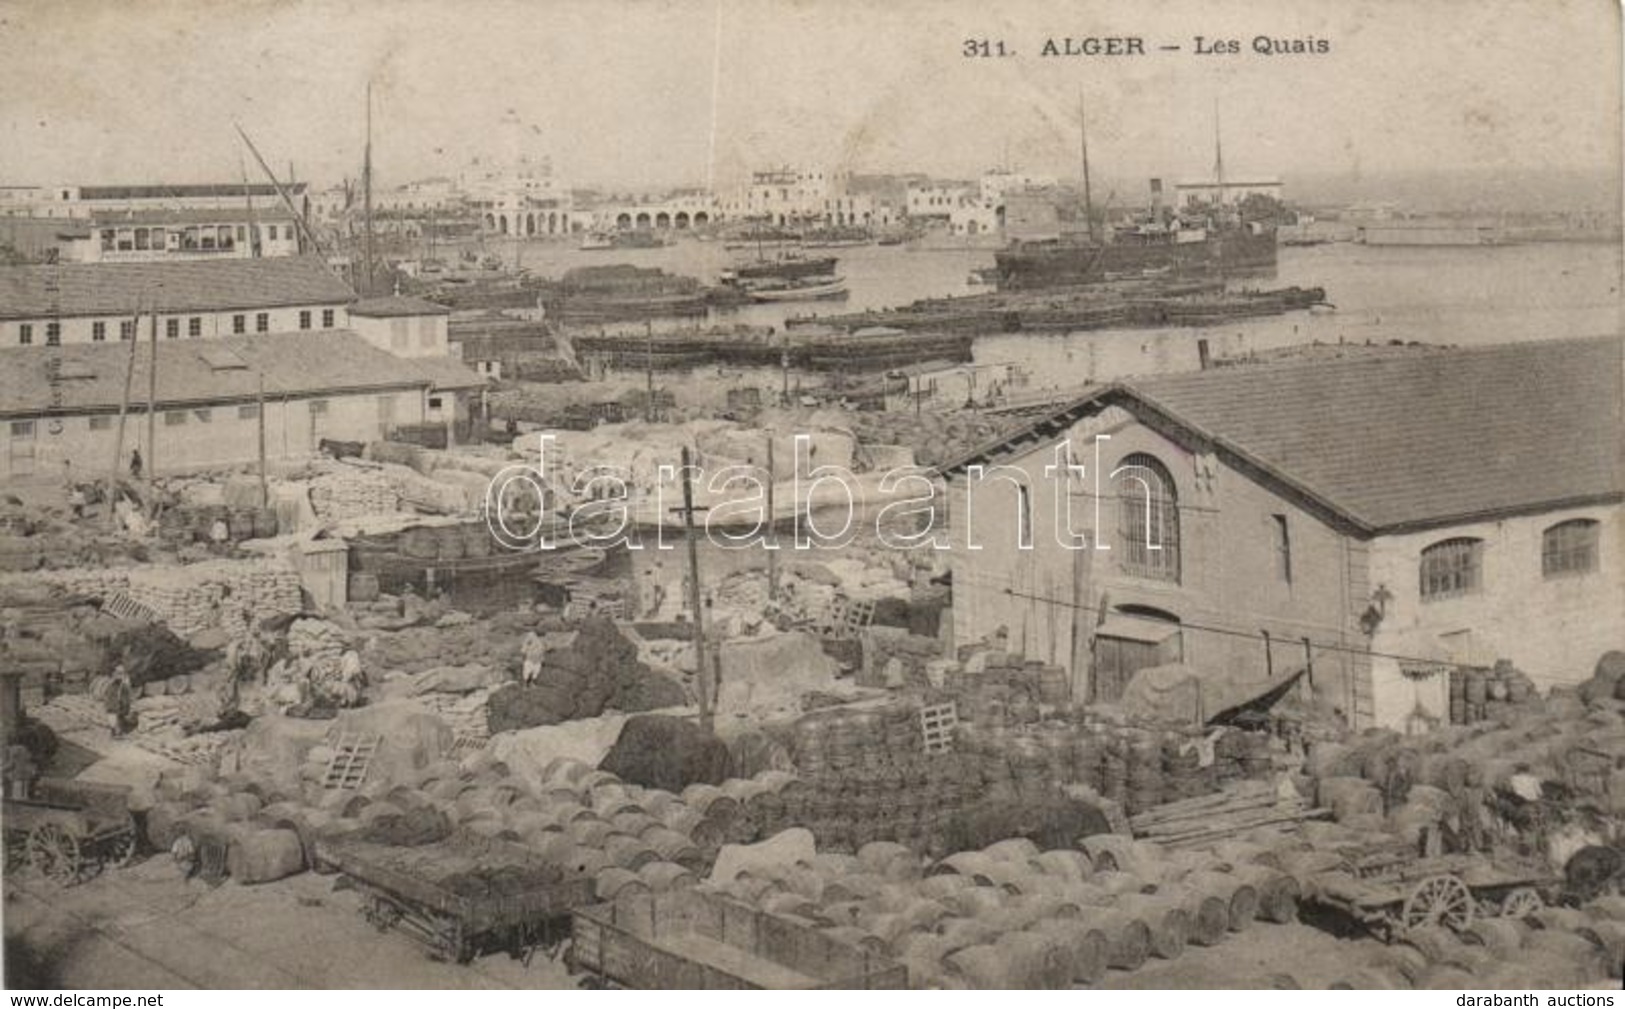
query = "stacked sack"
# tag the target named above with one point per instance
(351, 492)
(216, 594)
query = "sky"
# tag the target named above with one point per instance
(636, 94)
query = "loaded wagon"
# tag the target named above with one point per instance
(1391, 891)
(692, 939)
(462, 896)
(69, 830)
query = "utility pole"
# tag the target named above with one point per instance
(152, 394)
(772, 515)
(259, 412)
(649, 372)
(696, 603)
(123, 413)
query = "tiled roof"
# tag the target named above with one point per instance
(396, 305)
(446, 374)
(195, 286)
(191, 215)
(202, 371)
(1403, 441)
(208, 190)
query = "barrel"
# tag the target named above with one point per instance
(1167, 922)
(616, 881)
(476, 540)
(1084, 947)
(449, 543)
(263, 856)
(662, 877)
(265, 523)
(419, 544)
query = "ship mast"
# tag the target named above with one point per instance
(1083, 144)
(366, 181)
(1218, 177)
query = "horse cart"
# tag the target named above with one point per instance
(1391, 891)
(69, 830)
(462, 896)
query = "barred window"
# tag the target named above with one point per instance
(194, 326)
(1148, 518)
(1451, 568)
(1569, 548)
(172, 328)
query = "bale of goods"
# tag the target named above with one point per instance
(1583, 959)
(1349, 798)
(1501, 936)
(1168, 923)
(165, 823)
(662, 751)
(237, 807)
(263, 856)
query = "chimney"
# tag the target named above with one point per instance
(1156, 200)
(1203, 355)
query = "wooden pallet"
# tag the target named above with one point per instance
(937, 725)
(119, 605)
(352, 756)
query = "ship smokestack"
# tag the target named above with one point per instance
(1156, 200)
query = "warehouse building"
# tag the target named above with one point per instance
(93, 303)
(60, 412)
(1340, 517)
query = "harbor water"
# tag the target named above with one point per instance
(1461, 296)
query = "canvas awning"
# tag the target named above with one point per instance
(1132, 628)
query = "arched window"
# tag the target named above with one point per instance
(1148, 518)
(1569, 548)
(1452, 567)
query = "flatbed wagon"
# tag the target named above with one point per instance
(69, 830)
(689, 939)
(463, 896)
(1392, 891)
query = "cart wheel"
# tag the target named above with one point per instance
(55, 853)
(16, 851)
(1521, 903)
(1438, 900)
(123, 850)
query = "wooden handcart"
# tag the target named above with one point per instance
(689, 939)
(1391, 891)
(69, 830)
(403, 889)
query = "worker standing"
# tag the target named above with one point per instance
(135, 464)
(120, 697)
(530, 658)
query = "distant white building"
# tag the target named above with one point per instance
(150, 236)
(928, 200)
(97, 201)
(524, 198)
(783, 195)
(1208, 192)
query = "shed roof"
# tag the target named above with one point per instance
(393, 305)
(1403, 441)
(91, 377)
(192, 286)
